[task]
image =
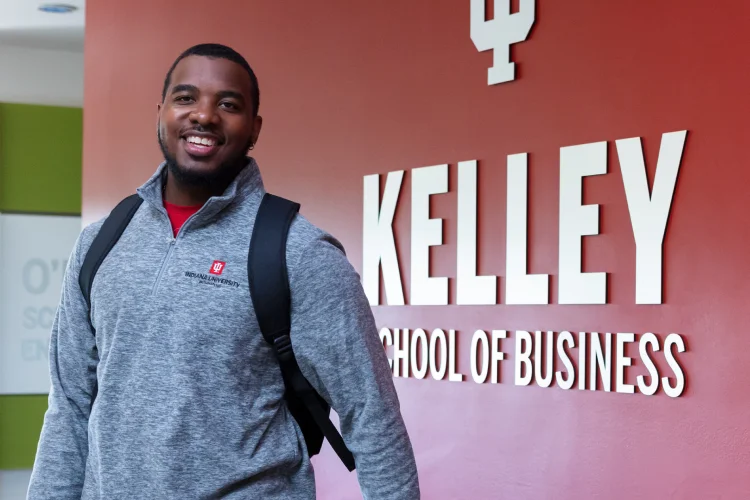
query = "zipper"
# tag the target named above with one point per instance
(172, 243)
(163, 266)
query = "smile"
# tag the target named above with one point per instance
(204, 141)
(200, 146)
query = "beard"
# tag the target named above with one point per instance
(219, 178)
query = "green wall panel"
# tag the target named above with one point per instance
(40, 158)
(21, 420)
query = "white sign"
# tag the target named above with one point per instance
(649, 212)
(34, 251)
(500, 33)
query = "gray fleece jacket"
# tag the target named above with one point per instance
(165, 388)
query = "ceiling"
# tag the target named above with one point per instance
(22, 24)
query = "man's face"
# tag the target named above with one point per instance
(206, 123)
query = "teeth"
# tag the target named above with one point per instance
(202, 141)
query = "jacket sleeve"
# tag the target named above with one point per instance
(339, 351)
(60, 464)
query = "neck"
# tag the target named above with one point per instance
(179, 192)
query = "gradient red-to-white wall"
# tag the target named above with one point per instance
(350, 89)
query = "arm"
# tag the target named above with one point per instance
(59, 468)
(339, 351)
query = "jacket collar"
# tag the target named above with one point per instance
(247, 183)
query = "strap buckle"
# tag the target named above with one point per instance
(283, 346)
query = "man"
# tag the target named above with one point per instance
(164, 388)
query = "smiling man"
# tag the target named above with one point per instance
(162, 384)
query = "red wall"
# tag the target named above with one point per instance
(355, 88)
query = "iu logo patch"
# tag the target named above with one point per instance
(217, 267)
(500, 33)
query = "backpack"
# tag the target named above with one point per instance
(266, 265)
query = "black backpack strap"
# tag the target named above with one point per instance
(267, 269)
(112, 228)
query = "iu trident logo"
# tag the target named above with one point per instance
(500, 33)
(217, 267)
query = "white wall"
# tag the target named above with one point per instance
(34, 251)
(36, 76)
(13, 484)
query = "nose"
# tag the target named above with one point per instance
(204, 114)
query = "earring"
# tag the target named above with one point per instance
(252, 146)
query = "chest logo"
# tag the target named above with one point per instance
(212, 278)
(217, 267)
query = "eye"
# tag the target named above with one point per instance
(183, 99)
(229, 105)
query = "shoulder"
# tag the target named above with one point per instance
(304, 236)
(91, 231)
(311, 249)
(88, 235)
(85, 239)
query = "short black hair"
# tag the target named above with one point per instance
(217, 51)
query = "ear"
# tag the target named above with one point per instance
(257, 125)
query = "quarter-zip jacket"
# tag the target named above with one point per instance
(166, 389)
